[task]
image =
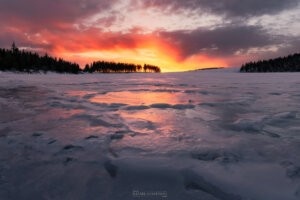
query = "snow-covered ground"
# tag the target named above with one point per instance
(204, 135)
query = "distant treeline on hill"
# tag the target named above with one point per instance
(290, 63)
(108, 67)
(23, 61)
(16, 60)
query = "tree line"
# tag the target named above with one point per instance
(289, 63)
(25, 61)
(119, 67)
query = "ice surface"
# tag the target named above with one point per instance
(206, 135)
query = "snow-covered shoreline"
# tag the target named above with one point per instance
(192, 135)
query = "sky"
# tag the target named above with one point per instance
(177, 35)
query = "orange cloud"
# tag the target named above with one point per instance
(93, 44)
(86, 44)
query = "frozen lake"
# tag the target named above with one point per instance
(208, 135)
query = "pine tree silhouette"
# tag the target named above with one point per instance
(289, 63)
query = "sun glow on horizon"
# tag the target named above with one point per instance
(164, 56)
(143, 56)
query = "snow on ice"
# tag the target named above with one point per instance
(206, 135)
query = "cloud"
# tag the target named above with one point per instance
(188, 30)
(234, 44)
(231, 8)
(50, 13)
(289, 45)
(38, 24)
(222, 41)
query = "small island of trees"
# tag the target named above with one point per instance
(25, 61)
(108, 67)
(289, 63)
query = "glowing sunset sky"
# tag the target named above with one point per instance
(176, 35)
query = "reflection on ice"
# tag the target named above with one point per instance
(162, 131)
(141, 98)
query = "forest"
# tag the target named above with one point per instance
(25, 61)
(15, 59)
(289, 63)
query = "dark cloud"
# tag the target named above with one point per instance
(21, 20)
(221, 41)
(49, 13)
(236, 44)
(231, 8)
